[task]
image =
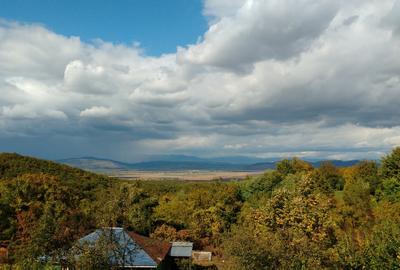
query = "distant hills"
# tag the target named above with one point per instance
(95, 164)
(180, 162)
(226, 159)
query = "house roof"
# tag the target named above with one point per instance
(155, 248)
(126, 251)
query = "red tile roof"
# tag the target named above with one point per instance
(156, 249)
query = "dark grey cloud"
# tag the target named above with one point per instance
(350, 20)
(392, 20)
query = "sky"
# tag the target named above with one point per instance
(264, 78)
(157, 26)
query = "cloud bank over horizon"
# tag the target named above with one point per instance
(269, 79)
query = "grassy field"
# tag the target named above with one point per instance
(193, 175)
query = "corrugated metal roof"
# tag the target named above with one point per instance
(182, 244)
(126, 252)
(181, 249)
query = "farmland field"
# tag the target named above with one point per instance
(189, 175)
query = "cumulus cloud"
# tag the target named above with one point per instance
(96, 112)
(217, 9)
(259, 30)
(89, 79)
(269, 78)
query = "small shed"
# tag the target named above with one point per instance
(201, 256)
(181, 249)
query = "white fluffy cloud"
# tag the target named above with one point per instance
(260, 30)
(96, 112)
(269, 78)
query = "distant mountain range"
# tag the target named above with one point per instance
(180, 162)
(226, 159)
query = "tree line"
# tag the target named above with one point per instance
(293, 217)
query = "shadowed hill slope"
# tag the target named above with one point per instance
(13, 165)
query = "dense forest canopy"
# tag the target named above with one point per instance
(294, 217)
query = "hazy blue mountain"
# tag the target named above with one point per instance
(177, 158)
(181, 162)
(242, 159)
(337, 163)
(260, 166)
(225, 159)
(160, 165)
(95, 164)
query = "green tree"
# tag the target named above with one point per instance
(261, 185)
(296, 225)
(38, 206)
(293, 166)
(391, 165)
(367, 170)
(389, 190)
(383, 244)
(327, 178)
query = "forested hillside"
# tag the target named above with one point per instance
(294, 217)
(12, 165)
